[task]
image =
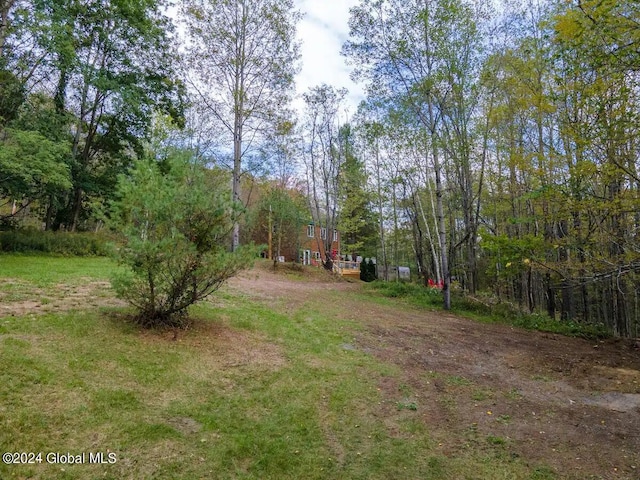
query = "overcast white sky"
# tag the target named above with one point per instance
(322, 31)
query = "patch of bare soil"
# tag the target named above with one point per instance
(287, 288)
(570, 404)
(33, 300)
(219, 353)
(567, 403)
(221, 347)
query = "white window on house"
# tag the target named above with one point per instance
(310, 231)
(335, 235)
(316, 255)
(323, 233)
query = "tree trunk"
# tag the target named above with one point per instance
(76, 207)
(551, 297)
(385, 263)
(238, 116)
(418, 241)
(434, 256)
(48, 218)
(444, 260)
(446, 293)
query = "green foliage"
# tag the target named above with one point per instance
(367, 270)
(510, 256)
(106, 90)
(414, 293)
(569, 328)
(286, 211)
(35, 154)
(11, 96)
(487, 312)
(504, 312)
(30, 164)
(357, 223)
(176, 221)
(63, 243)
(605, 31)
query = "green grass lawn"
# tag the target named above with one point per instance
(249, 392)
(43, 270)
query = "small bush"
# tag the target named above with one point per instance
(416, 294)
(544, 323)
(508, 313)
(176, 219)
(62, 243)
(295, 267)
(488, 310)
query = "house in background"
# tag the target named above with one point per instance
(313, 239)
(312, 251)
(309, 248)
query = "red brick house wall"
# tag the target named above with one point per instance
(312, 245)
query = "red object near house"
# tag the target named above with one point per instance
(433, 284)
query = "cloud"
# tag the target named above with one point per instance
(322, 32)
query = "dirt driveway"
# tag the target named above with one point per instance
(568, 403)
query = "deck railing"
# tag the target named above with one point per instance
(344, 267)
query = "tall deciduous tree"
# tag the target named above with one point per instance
(243, 58)
(403, 49)
(371, 131)
(324, 160)
(109, 88)
(596, 49)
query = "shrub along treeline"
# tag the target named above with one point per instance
(487, 310)
(62, 243)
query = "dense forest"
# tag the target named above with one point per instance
(496, 150)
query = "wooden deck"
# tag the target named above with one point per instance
(347, 269)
